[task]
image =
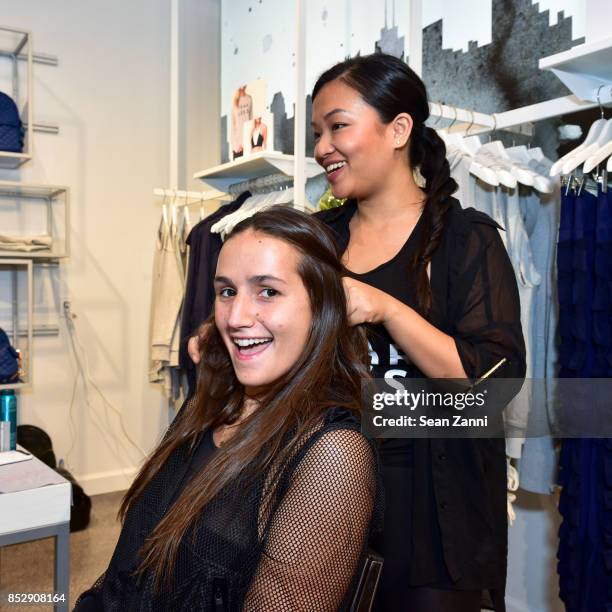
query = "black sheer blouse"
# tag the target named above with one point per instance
(456, 506)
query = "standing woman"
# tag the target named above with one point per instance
(435, 284)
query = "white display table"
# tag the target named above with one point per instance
(35, 503)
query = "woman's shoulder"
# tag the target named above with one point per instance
(340, 438)
(337, 216)
(469, 216)
(338, 431)
(470, 225)
(335, 447)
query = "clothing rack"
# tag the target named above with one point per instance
(542, 110)
(474, 122)
(518, 120)
(262, 184)
(189, 197)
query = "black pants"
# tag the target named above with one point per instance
(402, 507)
(427, 599)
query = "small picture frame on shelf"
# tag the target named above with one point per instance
(259, 134)
(248, 103)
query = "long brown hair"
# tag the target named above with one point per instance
(328, 373)
(391, 87)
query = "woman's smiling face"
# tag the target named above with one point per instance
(351, 142)
(262, 308)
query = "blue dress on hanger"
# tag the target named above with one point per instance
(585, 314)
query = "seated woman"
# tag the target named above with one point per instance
(262, 494)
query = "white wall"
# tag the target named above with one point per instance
(258, 40)
(109, 96)
(200, 86)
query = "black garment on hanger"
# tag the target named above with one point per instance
(446, 518)
(199, 292)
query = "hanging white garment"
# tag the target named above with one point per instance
(538, 463)
(254, 204)
(167, 295)
(483, 196)
(528, 278)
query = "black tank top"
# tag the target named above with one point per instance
(202, 453)
(396, 278)
(410, 518)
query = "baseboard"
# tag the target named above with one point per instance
(107, 482)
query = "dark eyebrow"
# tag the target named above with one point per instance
(222, 280)
(330, 113)
(262, 278)
(256, 280)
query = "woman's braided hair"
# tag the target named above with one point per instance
(391, 87)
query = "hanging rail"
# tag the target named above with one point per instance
(261, 182)
(190, 197)
(542, 110)
(518, 120)
(463, 119)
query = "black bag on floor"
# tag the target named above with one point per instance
(81, 503)
(38, 442)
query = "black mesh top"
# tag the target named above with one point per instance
(290, 539)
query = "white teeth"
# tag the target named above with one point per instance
(242, 342)
(335, 166)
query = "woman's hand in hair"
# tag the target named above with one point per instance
(366, 304)
(193, 344)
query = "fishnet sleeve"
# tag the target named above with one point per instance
(91, 599)
(487, 311)
(319, 531)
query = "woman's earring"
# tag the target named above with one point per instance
(398, 142)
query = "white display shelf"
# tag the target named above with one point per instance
(31, 209)
(14, 45)
(254, 166)
(584, 69)
(16, 312)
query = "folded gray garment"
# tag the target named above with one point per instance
(25, 243)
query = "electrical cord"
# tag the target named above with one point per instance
(83, 370)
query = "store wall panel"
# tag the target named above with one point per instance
(109, 96)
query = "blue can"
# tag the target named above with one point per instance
(8, 412)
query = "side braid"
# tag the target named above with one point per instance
(428, 151)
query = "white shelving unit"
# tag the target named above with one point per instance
(261, 164)
(585, 69)
(16, 313)
(30, 209)
(15, 46)
(254, 166)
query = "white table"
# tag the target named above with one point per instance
(35, 503)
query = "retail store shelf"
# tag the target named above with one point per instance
(31, 210)
(16, 313)
(10, 161)
(13, 44)
(254, 166)
(585, 69)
